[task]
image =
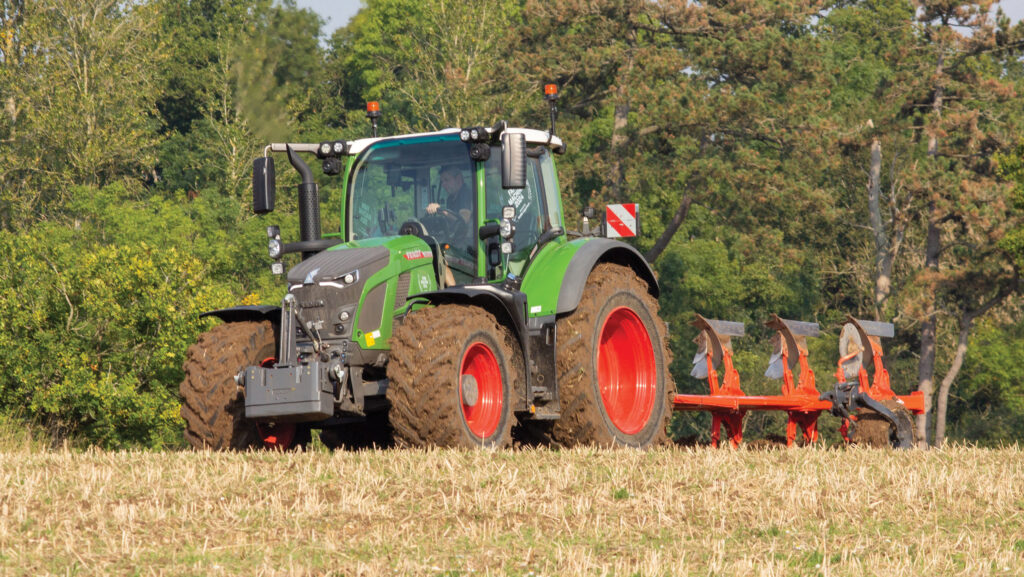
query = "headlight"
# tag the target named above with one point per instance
(507, 229)
(274, 248)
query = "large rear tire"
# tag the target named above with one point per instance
(213, 404)
(450, 379)
(613, 379)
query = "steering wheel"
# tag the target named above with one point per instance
(445, 224)
(412, 227)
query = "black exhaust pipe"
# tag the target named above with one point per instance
(309, 202)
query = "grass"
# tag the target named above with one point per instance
(957, 511)
(18, 435)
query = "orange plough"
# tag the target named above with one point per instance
(800, 398)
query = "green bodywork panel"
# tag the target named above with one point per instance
(407, 254)
(543, 281)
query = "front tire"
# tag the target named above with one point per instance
(451, 376)
(213, 404)
(613, 361)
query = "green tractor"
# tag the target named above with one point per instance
(450, 309)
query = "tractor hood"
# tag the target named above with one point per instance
(332, 265)
(351, 291)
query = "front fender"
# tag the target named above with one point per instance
(500, 303)
(246, 313)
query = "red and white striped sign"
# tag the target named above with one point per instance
(621, 220)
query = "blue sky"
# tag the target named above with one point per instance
(336, 12)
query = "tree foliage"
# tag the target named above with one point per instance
(809, 158)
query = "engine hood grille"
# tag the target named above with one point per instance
(322, 305)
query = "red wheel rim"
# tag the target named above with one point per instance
(484, 416)
(626, 371)
(280, 436)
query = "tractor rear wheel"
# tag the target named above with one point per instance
(451, 376)
(213, 404)
(613, 360)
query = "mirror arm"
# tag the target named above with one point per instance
(489, 230)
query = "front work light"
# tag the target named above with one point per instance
(274, 248)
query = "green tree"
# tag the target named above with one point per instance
(78, 91)
(934, 104)
(95, 319)
(433, 64)
(240, 75)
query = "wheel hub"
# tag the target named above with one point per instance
(470, 392)
(279, 436)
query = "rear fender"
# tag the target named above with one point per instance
(565, 268)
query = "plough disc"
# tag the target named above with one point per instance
(881, 417)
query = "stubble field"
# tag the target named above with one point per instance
(695, 511)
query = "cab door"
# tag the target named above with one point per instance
(531, 207)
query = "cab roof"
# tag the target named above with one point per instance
(533, 136)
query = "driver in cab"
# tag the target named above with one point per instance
(457, 210)
(459, 196)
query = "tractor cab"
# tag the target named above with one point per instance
(451, 193)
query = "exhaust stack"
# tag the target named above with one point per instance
(309, 202)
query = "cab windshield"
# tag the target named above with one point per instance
(427, 182)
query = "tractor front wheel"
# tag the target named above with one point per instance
(613, 363)
(213, 404)
(450, 378)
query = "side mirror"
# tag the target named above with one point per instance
(263, 185)
(513, 160)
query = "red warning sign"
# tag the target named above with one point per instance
(621, 220)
